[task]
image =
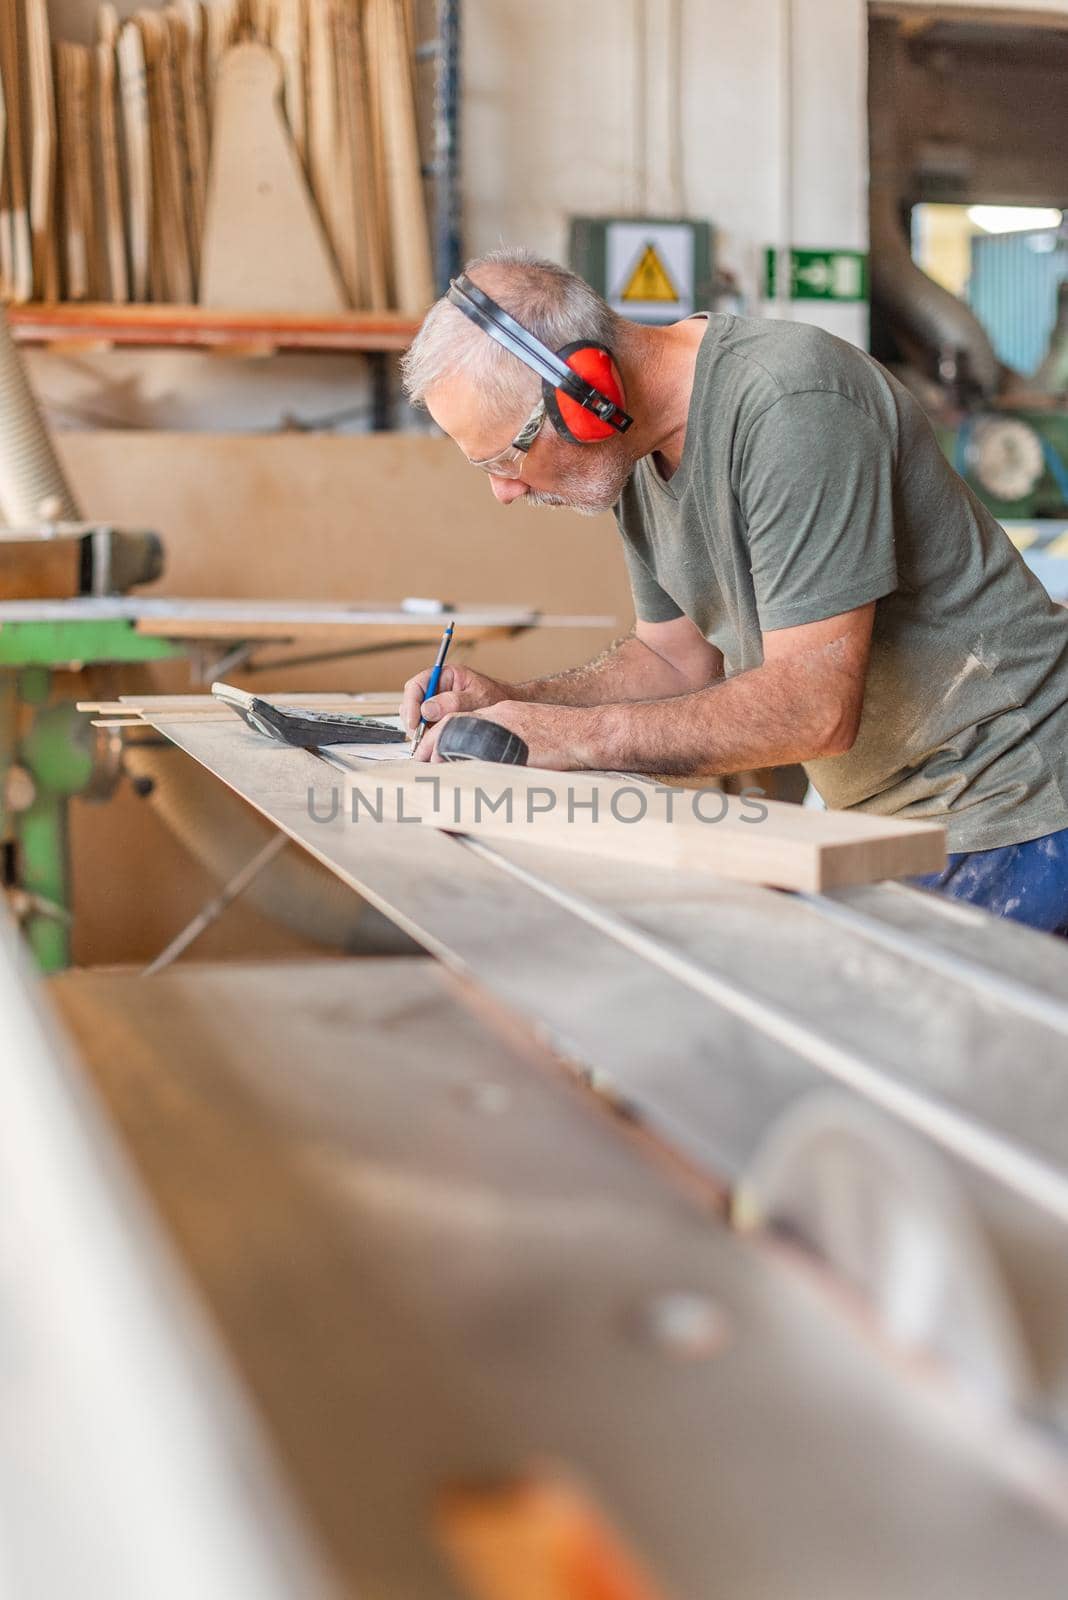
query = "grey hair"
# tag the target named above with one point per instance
(557, 306)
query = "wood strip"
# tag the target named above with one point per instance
(7, 260)
(290, 40)
(173, 193)
(43, 154)
(347, 221)
(133, 84)
(323, 118)
(184, 23)
(20, 266)
(409, 230)
(373, 284)
(110, 163)
(198, 327)
(373, 54)
(73, 85)
(167, 703)
(753, 841)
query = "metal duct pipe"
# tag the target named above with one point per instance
(295, 890)
(32, 485)
(912, 300)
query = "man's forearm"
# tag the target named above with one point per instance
(782, 712)
(628, 670)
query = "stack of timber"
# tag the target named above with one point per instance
(116, 157)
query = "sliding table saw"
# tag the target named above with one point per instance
(46, 744)
(649, 1235)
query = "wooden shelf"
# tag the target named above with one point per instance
(85, 325)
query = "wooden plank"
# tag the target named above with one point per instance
(258, 198)
(206, 703)
(74, 68)
(618, 819)
(409, 230)
(110, 163)
(286, 631)
(7, 262)
(195, 327)
(726, 1084)
(323, 117)
(19, 270)
(290, 40)
(618, 998)
(43, 153)
(133, 85)
(190, 156)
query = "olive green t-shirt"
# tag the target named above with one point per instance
(811, 483)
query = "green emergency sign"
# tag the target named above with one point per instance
(819, 274)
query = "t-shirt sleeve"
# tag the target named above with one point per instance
(816, 494)
(651, 603)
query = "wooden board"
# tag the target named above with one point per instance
(43, 153)
(19, 269)
(258, 199)
(616, 819)
(186, 23)
(706, 1057)
(133, 85)
(170, 704)
(290, 40)
(409, 232)
(73, 70)
(114, 225)
(7, 260)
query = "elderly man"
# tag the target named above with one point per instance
(812, 581)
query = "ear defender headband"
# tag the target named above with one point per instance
(582, 394)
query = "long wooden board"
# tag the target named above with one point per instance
(617, 819)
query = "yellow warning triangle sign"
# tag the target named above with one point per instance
(650, 279)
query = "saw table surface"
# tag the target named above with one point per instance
(434, 1258)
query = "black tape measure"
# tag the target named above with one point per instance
(475, 739)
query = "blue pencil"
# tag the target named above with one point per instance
(435, 679)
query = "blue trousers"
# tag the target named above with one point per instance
(1024, 882)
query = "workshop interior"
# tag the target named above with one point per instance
(405, 1201)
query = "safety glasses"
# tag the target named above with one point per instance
(508, 463)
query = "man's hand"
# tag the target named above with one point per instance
(460, 690)
(559, 738)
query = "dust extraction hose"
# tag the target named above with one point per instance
(218, 829)
(32, 485)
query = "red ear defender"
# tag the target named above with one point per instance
(571, 420)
